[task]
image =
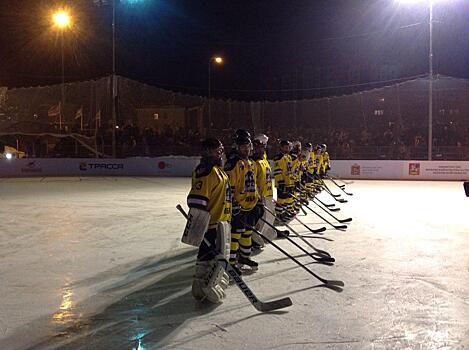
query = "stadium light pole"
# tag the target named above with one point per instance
(113, 81)
(217, 60)
(113, 75)
(62, 21)
(430, 71)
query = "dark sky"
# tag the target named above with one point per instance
(169, 42)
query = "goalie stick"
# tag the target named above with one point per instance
(259, 305)
(333, 283)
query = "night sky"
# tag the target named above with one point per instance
(168, 43)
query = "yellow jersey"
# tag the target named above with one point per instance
(211, 191)
(242, 177)
(283, 170)
(326, 161)
(263, 176)
(311, 162)
(296, 168)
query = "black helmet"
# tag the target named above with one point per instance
(242, 140)
(308, 145)
(243, 133)
(284, 142)
(211, 143)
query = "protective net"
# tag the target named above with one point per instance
(389, 122)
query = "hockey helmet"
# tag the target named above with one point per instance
(211, 143)
(261, 139)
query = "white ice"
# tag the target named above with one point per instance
(97, 263)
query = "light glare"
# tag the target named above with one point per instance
(218, 59)
(61, 19)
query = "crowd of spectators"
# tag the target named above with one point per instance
(391, 141)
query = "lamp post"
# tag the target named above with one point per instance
(430, 85)
(430, 73)
(217, 60)
(61, 20)
(113, 81)
(114, 91)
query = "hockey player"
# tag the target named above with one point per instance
(284, 182)
(326, 159)
(209, 202)
(296, 174)
(310, 166)
(241, 172)
(317, 168)
(264, 186)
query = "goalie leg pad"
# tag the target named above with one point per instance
(224, 239)
(224, 247)
(196, 226)
(209, 281)
(267, 230)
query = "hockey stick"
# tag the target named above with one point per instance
(319, 230)
(337, 227)
(315, 256)
(341, 180)
(340, 200)
(324, 256)
(259, 305)
(342, 221)
(329, 190)
(339, 186)
(326, 282)
(328, 206)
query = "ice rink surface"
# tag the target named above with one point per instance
(97, 263)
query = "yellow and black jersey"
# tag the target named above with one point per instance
(303, 168)
(211, 192)
(326, 161)
(311, 162)
(283, 170)
(242, 177)
(320, 162)
(296, 167)
(263, 176)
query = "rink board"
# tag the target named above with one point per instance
(182, 166)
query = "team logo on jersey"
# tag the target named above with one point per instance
(414, 168)
(249, 183)
(268, 176)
